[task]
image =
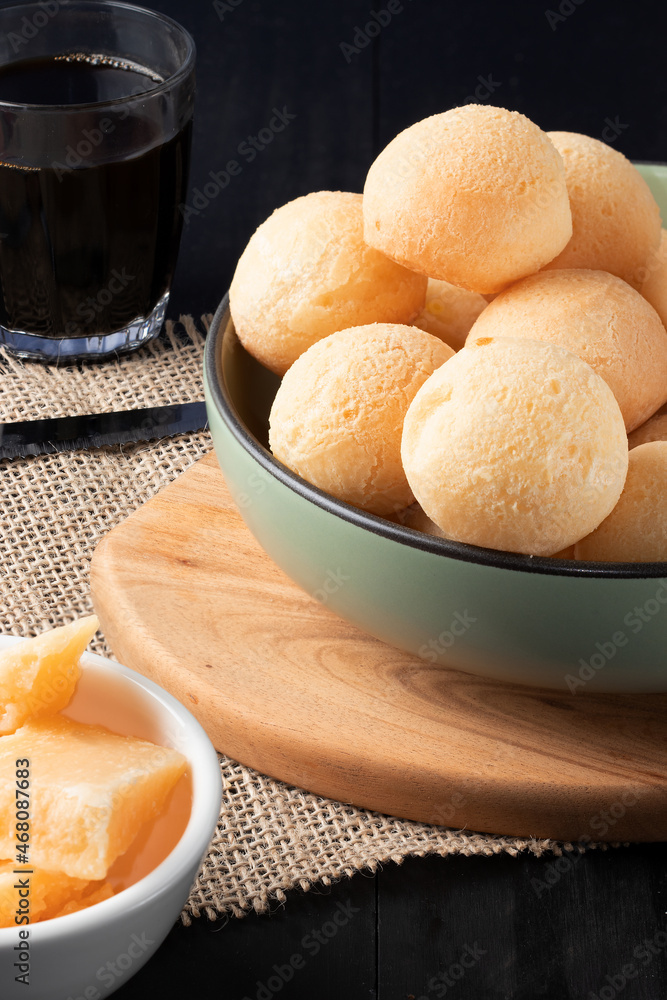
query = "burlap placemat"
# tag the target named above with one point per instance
(53, 511)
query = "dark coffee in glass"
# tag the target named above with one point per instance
(94, 153)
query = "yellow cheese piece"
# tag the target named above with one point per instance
(94, 893)
(38, 676)
(90, 792)
(40, 895)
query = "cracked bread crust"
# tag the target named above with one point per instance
(337, 418)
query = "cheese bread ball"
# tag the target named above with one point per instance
(600, 318)
(567, 553)
(414, 517)
(654, 287)
(475, 196)
(515, 445)
(615, 218)
(307, 272)
(338, 415)
(654, 429)
(636, 529)
(449, 312)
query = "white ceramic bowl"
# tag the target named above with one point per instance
(94, 952)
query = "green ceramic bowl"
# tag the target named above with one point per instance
(559, 624)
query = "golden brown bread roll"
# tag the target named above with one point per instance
(615, 218)
(307, 272)
(515, 445)
(598, 317)
(654, 286)
(636, 529)
(449, 312)
(338, 415)
(475, 196)
(655, 429)
(415, 518)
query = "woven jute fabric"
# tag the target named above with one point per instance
(54, 509)
(166, 370)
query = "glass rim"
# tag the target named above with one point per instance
(180, 74)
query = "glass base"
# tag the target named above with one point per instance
(53, 350)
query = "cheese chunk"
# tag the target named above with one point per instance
(95, 892)
(38, 676)
(40, 894)
(90, 792)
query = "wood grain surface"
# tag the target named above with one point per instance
(186, 596)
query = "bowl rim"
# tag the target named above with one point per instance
(191, 847)
(222, 325)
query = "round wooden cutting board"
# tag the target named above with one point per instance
(186, 596)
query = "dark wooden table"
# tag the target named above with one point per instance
(478, 927)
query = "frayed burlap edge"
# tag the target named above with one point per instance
(272, 839)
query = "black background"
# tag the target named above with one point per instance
(544, 932)
(604, 62)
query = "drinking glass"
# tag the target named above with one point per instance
(96, 105)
